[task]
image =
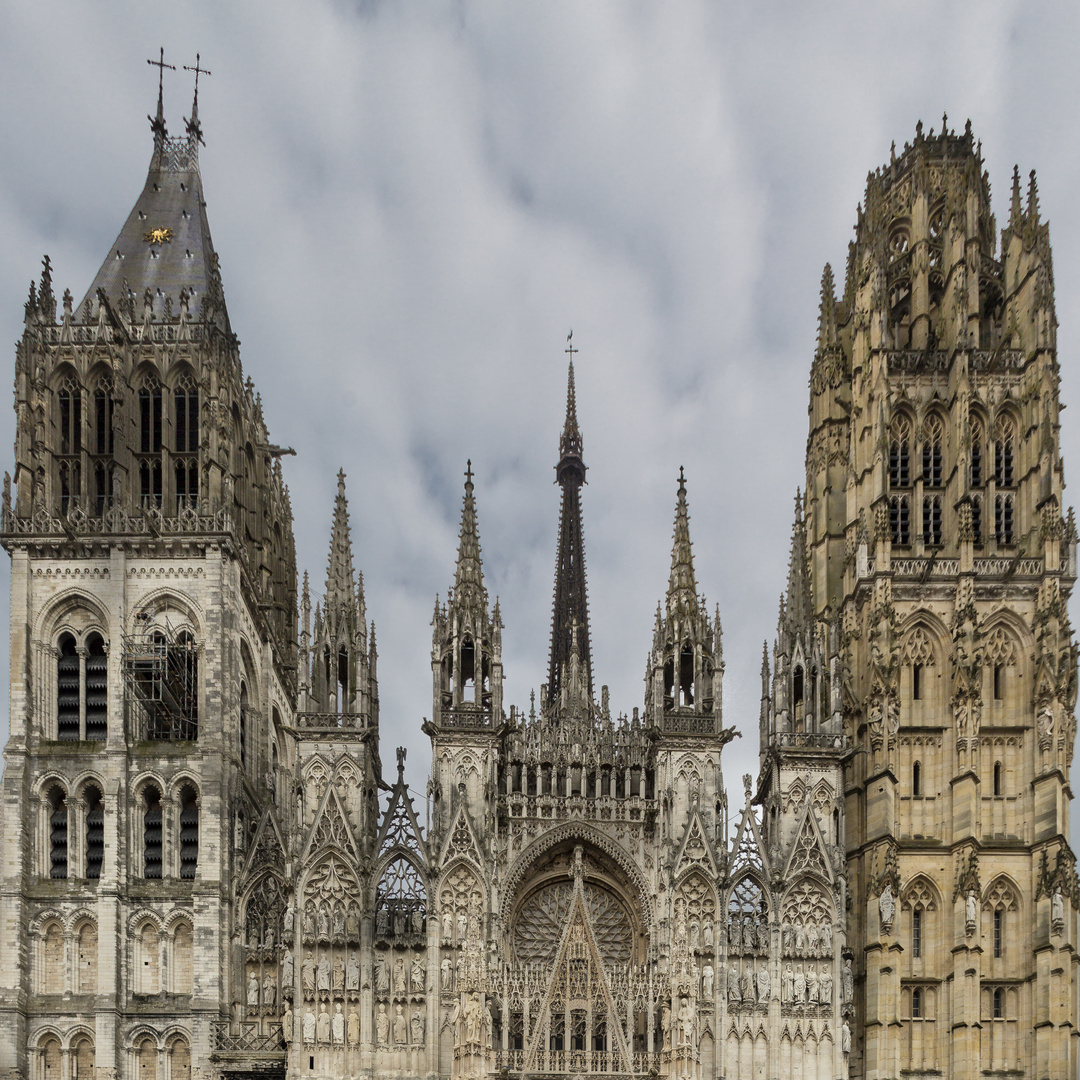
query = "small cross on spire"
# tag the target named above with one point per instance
(193, 127)
(157, 124)
(468, 471)
(198, 71)
(570, 346)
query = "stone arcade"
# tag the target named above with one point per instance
(206, 872)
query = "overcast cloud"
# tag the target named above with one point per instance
(414, 203)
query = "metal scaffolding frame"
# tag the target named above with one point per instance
(160, 668)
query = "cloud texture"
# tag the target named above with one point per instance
(414, 204)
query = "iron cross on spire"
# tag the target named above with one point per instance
(570, 346)
(192, 125)
(157, 124)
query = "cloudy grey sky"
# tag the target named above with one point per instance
(414, 203)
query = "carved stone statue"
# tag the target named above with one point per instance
(447, 969)
(382, 976)
(323, 978)
(352, 973)
(400, 985)
(733, 986)
(339, 924)
(382, 923)
(307, 975)
(849, 982)
(354, 1028)
(800, 939)
(800, 986)
(324, 923)
(707, 979)
(287, 1023)
(825, 985)
(687, 1019)
(352, 925)
(447, 920)
(707, 936)
(789, 938)
(309, 924)
(309, 1027)
(462, 927)
(489, 1026)
(339, 974)
(382, 1026)
(417, 919)
(764, 984)
(337, 1025)
(970, 912)
(788, 984)
(287, 971)
(826, 938)
(253, 989)
(1057, 911)
(886, 908)
(812, 984)
(472, 1018)
(418, 977)
(269, 991)
(845, 1038)
(417, 1025)
(746, 983)
(322, 1028)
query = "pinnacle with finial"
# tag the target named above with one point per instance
(469, 575)
(194, 129)
(682, 586)
(827, 333)
(340, 577)
(157, 123)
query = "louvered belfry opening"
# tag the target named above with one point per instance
(67, 691)
(189, 832)
(58, 834)
(152, 823)
(95, 832)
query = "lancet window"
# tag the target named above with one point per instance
(400, 900)
(189, 831)
(58, 832)
(152, 832)
(1004, 453)
(932, 453)
(94, 831)
(81, 688)
(978, 440)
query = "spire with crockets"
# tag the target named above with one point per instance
(570, 615)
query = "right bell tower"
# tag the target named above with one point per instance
(939, 548)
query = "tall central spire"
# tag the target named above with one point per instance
(570, 616)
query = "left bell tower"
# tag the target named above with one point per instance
(153, 662)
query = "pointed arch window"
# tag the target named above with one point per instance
(70, 486)
(186, 477)
(82, 1060)
(152, 832)
(999, 1003)
(150, 418)
(96, 688)
(70, 398)
(102, 487)
(1004, 453)
(103, 419)
(932, 454)
(917, 1003)
(95, 832)
(798, 697)
(900, 453)
(997, 779)
(999, 931)
(189, 832)
(468, 670)
(343, 680)
(243, 724)
(916, 932)
(978, 439)
(976, 519)
(916, 779)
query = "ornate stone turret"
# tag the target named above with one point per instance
(466, 657)
(686, 665)
(342, 674)
(570, 649)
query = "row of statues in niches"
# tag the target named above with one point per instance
(748, 935)
(395, 1028)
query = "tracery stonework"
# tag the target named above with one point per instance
(196, 784)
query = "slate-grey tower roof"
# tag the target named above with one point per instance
(165, 245)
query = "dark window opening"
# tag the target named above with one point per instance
(152, 833)
(97, 688)
(916, 779)
(798, 697)
(243, 724)
(916, 1003)
(186, 428)
(1003, 519)
(997, 777)
(103, 422)
(468, 670)
(999, 682)
(342, 680)
(932, 519)
(916, 682)
(1003, 461)
(976, 460)
(916, 932)
(976, 521)
(95, 832)
(900, 520)
(58, 834)
(899, 470)
(70, 485)
(932, 467)
(999, 1004)
(150, 483)
(187, 485)
(999, 931)
(150, 419)
(686, 675)
(102, 488)
(189, 832)
(70, 421)
(67, 691)
(669, 684)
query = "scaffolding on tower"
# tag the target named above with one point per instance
(160, 667)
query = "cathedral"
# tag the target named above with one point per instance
(210, 868)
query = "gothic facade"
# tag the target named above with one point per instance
(207, 873)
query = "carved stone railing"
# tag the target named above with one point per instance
(330, 721)
(917, 568)
(597, 808)
(689, 723)
(119, 520)
(247, 1037)
(1003, 566)
(812, 740)
(467, 717)
(161, 333)
(911, 361)
(576, 1062)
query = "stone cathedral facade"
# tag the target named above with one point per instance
(208, 869)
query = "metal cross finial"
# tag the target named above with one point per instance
(161, 66)
(468, 471)
(198, 71)
(570, 346)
